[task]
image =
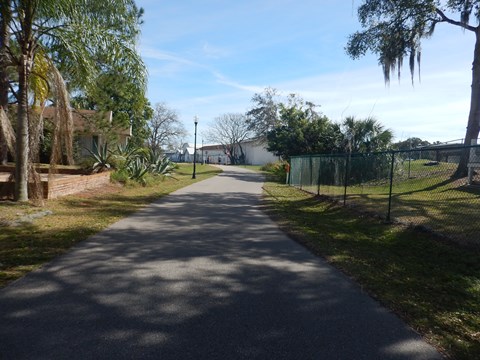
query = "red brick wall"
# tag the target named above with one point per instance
(75, 184)
(64, 186)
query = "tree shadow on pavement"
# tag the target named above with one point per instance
(197, 276)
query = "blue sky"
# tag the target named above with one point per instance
(209, 57)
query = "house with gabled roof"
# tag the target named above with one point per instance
(213, 154)
(90, 128)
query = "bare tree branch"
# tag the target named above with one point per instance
(165, 127)
(229, 130)
(454, 22)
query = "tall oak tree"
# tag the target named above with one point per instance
(394, 30)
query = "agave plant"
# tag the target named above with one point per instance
(137, 169)
(138, 162)
(163, 167)
(152, 156)
(101, 156)
(125, 152)
(159, 164)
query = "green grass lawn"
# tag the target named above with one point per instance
(433, 285)
(74, 218)
(425, 196)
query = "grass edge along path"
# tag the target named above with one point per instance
(76, 217)
(432, 285)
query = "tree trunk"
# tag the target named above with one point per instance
(473, 126)
(21, 159)
(241, 158)
(4, 42)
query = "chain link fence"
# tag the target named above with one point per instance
(414, 187)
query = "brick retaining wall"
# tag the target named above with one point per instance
(74, 184)
(65, 185)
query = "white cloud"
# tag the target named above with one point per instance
(214, 52)
(155, 54)
(221, 79)
(435, 109)
(438, 107)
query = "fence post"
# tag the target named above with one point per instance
(288, 169)
(347, 163)
(319, 175)
(391, 186)
(311, 171)
(301, 174)
(409, 162)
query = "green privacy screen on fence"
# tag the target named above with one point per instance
(414, 187)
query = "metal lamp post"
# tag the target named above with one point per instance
(195, 120)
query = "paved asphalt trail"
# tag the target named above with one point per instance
(200, 274)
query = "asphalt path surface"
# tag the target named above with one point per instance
(200, 274)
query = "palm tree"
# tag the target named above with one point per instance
(71, 35)
(365, 135)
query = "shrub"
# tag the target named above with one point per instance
(120, 176)
(277, 171)
(87, 165)
(163, 167)
(137, 170)
(132, 163)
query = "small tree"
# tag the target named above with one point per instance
(230, 130)
(410, 143)
(264, 115)
(303, 131)
(165, 127)
(365, 135)
(113, 91)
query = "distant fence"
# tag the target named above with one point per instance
(413, 187)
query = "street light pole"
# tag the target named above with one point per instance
(195, 120)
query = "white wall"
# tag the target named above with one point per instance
(257, 154)
(215, 156)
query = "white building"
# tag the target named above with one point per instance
(213, 154)
(256, 152)
(187, 153)
(207, 153)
